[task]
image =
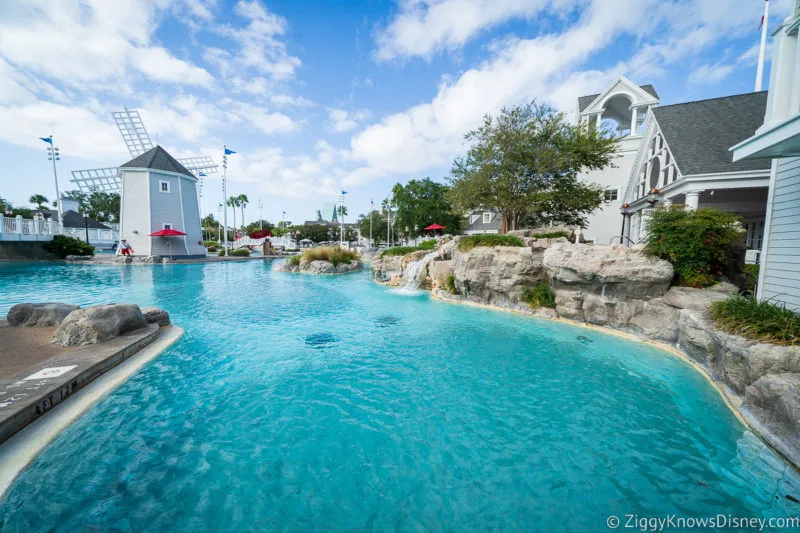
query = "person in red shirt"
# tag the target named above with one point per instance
(125, 248)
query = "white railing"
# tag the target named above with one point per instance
(21, 229)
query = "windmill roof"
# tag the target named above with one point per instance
(157, 159)
(699, 134)
(584, 101)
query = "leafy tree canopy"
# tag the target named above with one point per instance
(100, 206)
(522, 161)
(421, 203)
(378, 226)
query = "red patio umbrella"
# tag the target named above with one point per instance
(169, 232)
(433, 227)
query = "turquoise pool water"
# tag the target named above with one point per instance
(300, 403)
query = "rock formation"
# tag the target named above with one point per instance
(98, 323)
(40, 315)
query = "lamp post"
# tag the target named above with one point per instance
(54, 154)
(86, 226)
(341, 222)
(260, 214)
(653, 197)
(226, 152)
(624, 210)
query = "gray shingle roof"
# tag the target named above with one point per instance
(584, 101)
(71, 219)
(157, 159)
(478, 225)
(699, 134)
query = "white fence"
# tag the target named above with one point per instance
(22, 229)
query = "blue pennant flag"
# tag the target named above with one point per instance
(344, 192)
(47, 139)
(228, 151)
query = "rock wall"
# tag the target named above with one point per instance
(319, 267)
(497, 276)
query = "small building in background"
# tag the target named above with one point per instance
(484, 221)
(160, 193)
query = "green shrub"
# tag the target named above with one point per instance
(751, 272)
(294, 260)
(62, 246)
(551, 235)
(240, 252)
(540, 296)
(695, 242)
(430, 244)
(398, 250)
(211, 244)
(212, 249)
(762, 321)
(333, 254)
(450, 284)
(488, 239)
(221, 252)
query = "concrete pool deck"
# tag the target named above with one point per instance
(93, 372)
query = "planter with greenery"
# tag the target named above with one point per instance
(762, 321)
(487, 239)
(539, 296)
(324, 260)
(63, 246)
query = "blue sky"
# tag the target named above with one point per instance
(318, 96)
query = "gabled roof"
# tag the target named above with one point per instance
(584, 101)
(71, 219)
(495, 224)
(699, 134)
(157, 159)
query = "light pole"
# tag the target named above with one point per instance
(260, 214)
(341, 221)
(226, 152)
(624, 210)
(54, 154)
(219, 223)
(371, 209)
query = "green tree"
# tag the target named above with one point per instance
(569, 203)
(243, 201)
(342, 212)
(100, 206)
(38, 200)
(421, 203)
(378, 226)
(259, 224)
(233, 202)
(522, 155)
(317, 233)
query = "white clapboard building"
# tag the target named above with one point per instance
(622, 109)
(160, 193)
(776, 145)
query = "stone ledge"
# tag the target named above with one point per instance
(24, 400)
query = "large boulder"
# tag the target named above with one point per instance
(98, 323)
(655, 320)
(696, 336)
(156, 315)
(779, 396)
(497, 276)
(387, 269)
(317, 267)
(39, 315)
(612, 271)
(441, 270)
(690, 298)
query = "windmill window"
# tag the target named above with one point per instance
(163, 186)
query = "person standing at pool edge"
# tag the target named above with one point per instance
(125, 248)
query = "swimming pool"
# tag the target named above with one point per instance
(296, 402)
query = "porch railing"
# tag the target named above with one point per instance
(22, 229)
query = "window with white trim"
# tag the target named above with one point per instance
(487, 217)
(163, 186)
(610, 195)
(166, 226)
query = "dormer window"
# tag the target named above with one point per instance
(487, 218)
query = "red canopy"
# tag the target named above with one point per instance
(433, 227)
(169, 232)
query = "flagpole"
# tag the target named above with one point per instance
(225, 196)
(763, 49)
(371, 209)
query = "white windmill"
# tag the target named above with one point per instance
(138, 142)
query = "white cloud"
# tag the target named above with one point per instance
(426, 27)
(710, 74)
(91, 42)
(286, 100)
(340, 120)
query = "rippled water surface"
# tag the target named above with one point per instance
(300, 403)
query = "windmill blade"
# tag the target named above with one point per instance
(196, 165)
(97, 179)
(133, 131)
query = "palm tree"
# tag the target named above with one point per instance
(39, 200)
(243, 201)
(233, 202)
